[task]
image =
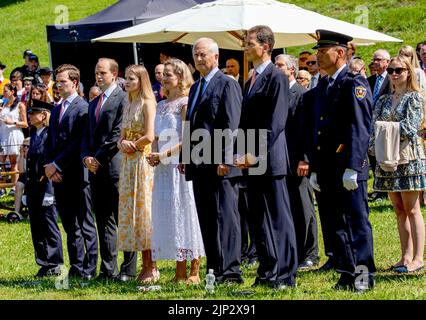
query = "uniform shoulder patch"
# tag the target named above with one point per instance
(360, 92)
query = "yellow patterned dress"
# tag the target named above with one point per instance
(135, 188)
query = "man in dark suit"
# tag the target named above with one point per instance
(63, 166)
(264, 112)
(100, 155)
(380, 85)
(343, 113)
(233, 69)
(214, 105)
(306, 137)
(299, 189)
(45, 231)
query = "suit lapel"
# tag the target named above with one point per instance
(261, 79)
(69, 109)
(207, 93)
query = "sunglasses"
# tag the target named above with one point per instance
(311, 63)
(298, 78)
(396, 70)
(25, 146)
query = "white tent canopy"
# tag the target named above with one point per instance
(225, 21)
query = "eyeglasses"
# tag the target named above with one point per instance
(311, 63)
(396, 70)
(303, 68)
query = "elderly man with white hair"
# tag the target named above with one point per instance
(214, 104)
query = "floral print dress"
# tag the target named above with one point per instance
(409, 113)
(135, 189)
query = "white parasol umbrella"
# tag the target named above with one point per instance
(226, 21)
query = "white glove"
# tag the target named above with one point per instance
(349, 179)
(48, 200)
(313, 181)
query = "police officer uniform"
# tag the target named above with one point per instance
(45, 232)
(343, 115)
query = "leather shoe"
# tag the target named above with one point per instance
(48, 272)
(329, 265)
(307, 264)
(229, 280)
(352, 283)
(125, 278)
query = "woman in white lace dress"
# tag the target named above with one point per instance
(176, 230)
(13, 117)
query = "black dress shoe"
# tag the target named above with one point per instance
(355, 283)
(329, 265)
(48, 272)
(125, 278)
(229, 280)
(307, 264)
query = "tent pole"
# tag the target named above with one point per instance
(135, 53)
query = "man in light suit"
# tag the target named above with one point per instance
(100, 155)
(63, 166)
(214, 104)
(299, 189)
(264, 110)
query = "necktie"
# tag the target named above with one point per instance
(61, 112)
(253, 80)
(313, 83)
(377, 86)
(330, 84)
(200, 95)
(99, 106)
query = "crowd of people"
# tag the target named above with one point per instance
(138, 167)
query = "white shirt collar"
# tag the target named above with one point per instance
(211, 74)
(260, 68)
(383, 75)
(110, 89)
(336, 74)
(292, 83)
(71, 98)
(39, 131)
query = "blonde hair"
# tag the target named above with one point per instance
(145, 88)
(144, 91)
(47, 119)
(181, 70)
(410, 53)
(412, 84)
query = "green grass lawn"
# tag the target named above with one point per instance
(18, 267)
(23, 23)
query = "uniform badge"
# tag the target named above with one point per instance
(360, 92)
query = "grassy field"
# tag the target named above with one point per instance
(18, 267)
(23, 22)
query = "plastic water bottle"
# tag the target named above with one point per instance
(210, 278)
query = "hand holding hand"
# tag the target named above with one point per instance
(91, 164)
(245, 161)
(49, 170)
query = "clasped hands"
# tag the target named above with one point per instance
(92, 164)
(127, 146)
(52, 173)
(349, 180)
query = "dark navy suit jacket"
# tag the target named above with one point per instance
(64, 140)
(293, 126)
(342, 127)
(100, 139)
(37, 184)
(266, 107)
(219, 108)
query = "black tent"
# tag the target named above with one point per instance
(72, 43)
